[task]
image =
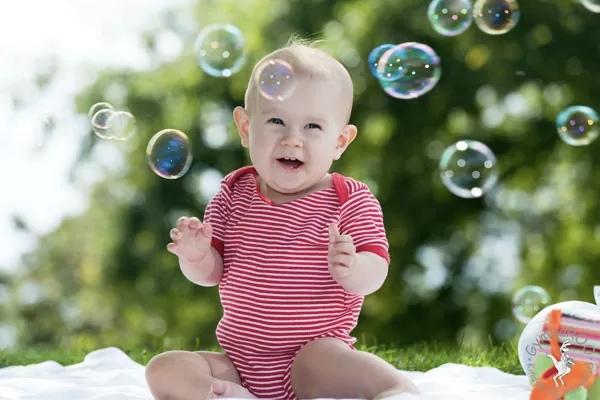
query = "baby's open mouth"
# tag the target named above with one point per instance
(290, 162)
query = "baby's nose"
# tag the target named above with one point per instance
(292, 139)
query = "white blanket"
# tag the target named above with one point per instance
(109, 374)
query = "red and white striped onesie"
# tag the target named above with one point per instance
(277, 293)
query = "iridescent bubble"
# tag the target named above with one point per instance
(496, 17)
(391, 65)
(375, 56)
(219, 50)
(592, 5)
(450, 17)
(468, 169)
(169, 154)
(97, 107)
(421, 70)
(275, 79)
(528, 301)
(100, 123)
(121, 126)
(578, 125)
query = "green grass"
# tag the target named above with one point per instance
(414, 358)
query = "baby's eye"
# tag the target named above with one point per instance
(276, 121)
(313, 126)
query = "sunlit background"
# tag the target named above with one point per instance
(477, 132)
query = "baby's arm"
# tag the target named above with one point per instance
(207, 272)
(361, 219)
(367, 275)
(199, 261)
(204, 265)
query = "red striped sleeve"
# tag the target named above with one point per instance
(217, 213)
(361, 217)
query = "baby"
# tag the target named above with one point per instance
(293, 249)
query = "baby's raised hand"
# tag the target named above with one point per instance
(342, 253)
(191, 239)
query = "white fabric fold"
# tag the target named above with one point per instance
(109, 374)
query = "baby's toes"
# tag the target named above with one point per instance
(217, 390)
(220, 390)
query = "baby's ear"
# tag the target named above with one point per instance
(348, 135)
(345, 137)
(242, 122)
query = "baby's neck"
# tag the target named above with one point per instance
(280, 198)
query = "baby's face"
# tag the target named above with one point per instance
(293, 142)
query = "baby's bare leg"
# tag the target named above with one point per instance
(327, 367)
(186, 375)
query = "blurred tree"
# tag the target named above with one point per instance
(106, 277)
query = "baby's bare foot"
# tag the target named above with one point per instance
(227, 390)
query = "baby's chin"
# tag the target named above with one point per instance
(289, 190)
(289, 187)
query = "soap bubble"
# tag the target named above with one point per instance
(100, 123)
(375, 56)
(275, 79)
(392, 64)
(421, 70)
(578, 125)
(99, 106)
(219, 49)
(591, 5)
(468, 169)
(450, 17)
(121, 126)
(169, 154)
(496, 17)
(528, 301)
(107, 123)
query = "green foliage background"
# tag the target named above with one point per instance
(107, 278)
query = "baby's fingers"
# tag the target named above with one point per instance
(182, 223)
(195, 223)
(175, 234)
(172, 248)
(207, 230)
(343, 248)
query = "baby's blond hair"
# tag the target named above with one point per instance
(309, 62)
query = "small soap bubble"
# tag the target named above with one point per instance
(468, 169)
(528, 301)
(592, 5)
(219, 50)
(421, 70)
(100, 123)
(375, 56)
(121, 125)
(275, 79)
(450, 17)
(169, 154)
(97, 107)
(578, 125)
(496, 17)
